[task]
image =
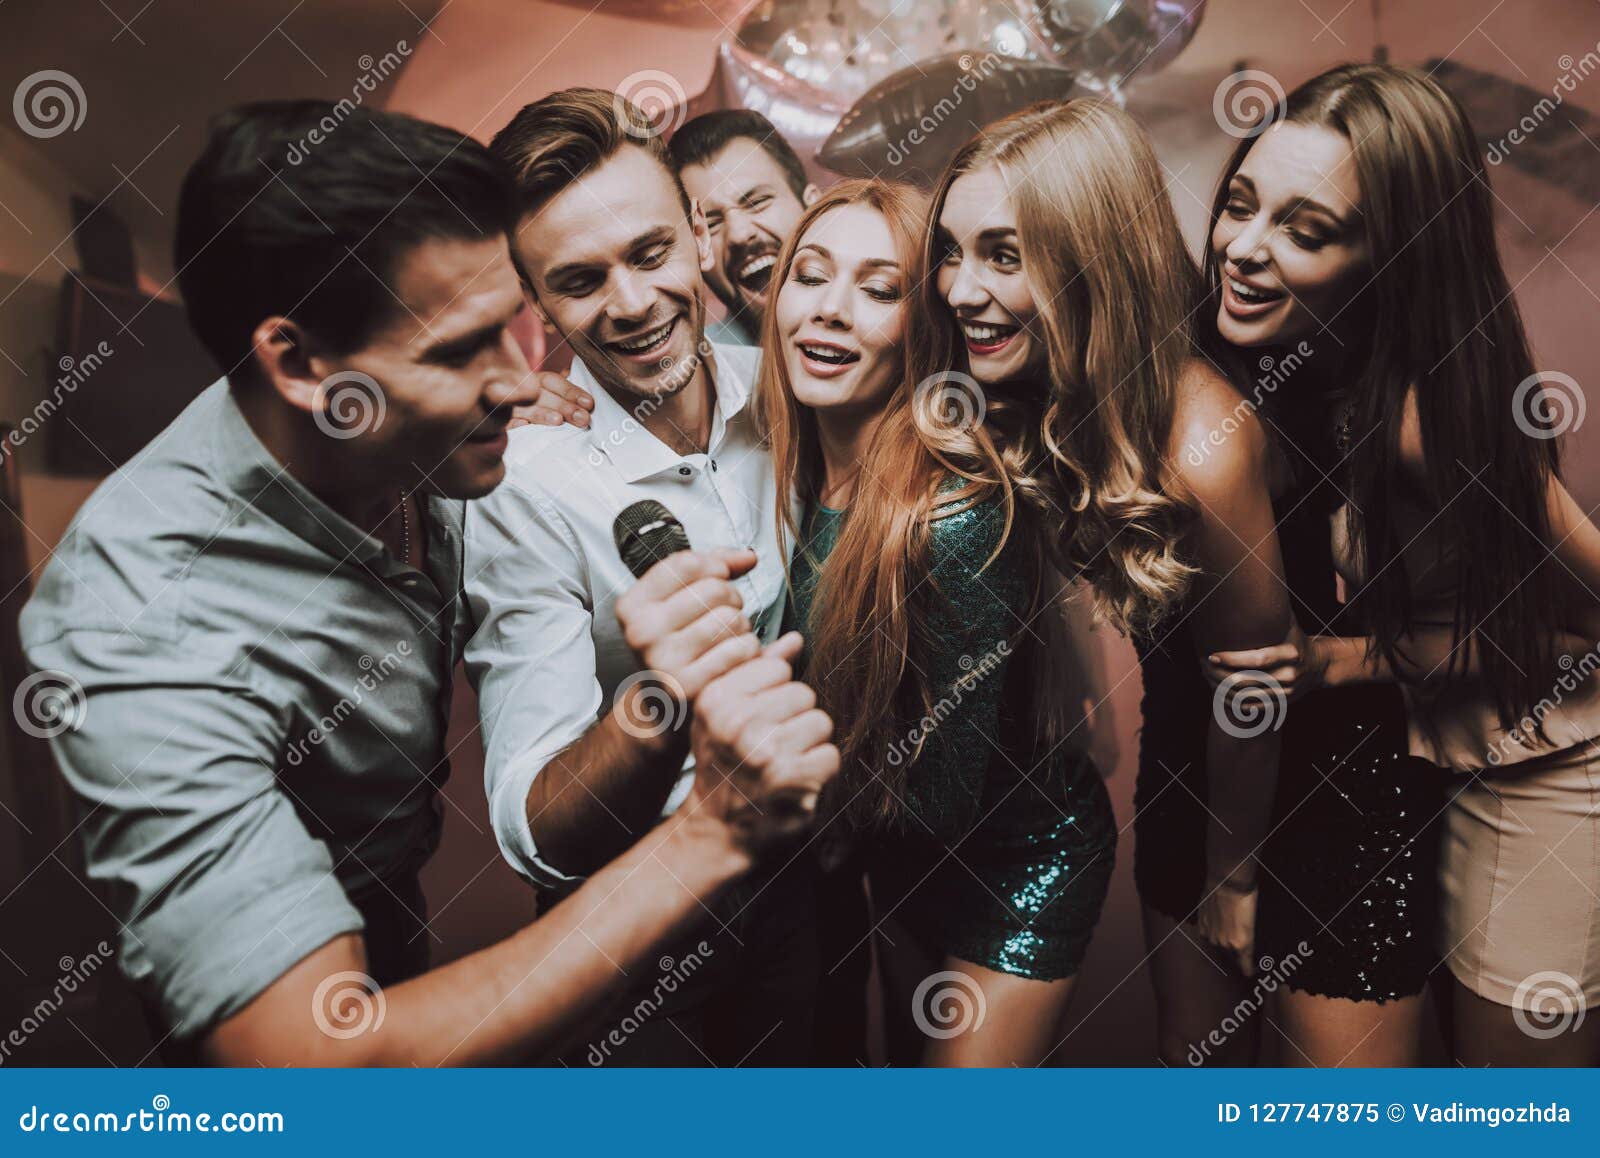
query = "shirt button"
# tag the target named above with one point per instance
(411, 582)
(713, 466)
(685, 471)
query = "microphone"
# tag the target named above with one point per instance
(646, 533)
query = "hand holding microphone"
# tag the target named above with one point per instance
(684, 619)
(762, 748)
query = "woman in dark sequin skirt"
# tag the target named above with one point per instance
(1364, 223)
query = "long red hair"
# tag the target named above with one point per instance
(866, 629)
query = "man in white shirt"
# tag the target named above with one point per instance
(586, 685)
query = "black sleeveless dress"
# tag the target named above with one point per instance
(1349, 888)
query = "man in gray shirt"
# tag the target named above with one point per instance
(252, 627)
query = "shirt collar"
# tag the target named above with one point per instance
(632, 449)
(244, 464)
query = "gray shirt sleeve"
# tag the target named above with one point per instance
(217, 884)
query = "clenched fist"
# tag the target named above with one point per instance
(763, 751)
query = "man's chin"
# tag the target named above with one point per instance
(749, 311)
(460, 481)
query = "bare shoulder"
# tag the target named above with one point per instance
(1217, 443)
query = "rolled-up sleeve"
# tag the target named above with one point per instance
(218, 885)
(531, 657)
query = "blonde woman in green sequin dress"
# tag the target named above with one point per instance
(928, 604)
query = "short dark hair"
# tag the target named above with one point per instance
(700, 139)
(304, 208)
(557, 139)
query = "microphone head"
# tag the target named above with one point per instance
(646, 533)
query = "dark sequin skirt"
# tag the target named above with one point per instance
(1350, 870)
(1022, 893)
(1350, 885)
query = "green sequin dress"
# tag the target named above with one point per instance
(1005, 856)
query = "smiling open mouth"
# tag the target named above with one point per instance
(1250, 295)
(988, 337)
(647, 343)
(828, 355)
(756, 272)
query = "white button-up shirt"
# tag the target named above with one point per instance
(543, 574)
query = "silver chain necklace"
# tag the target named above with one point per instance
(405, 529)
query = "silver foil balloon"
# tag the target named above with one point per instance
(1108, 42)
(680, 13)
(802, 114)
(909, 126)
(847, 46)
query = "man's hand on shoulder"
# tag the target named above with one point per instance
(556, 401)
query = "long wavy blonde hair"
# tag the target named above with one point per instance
(866, 635)
(1104, 258)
